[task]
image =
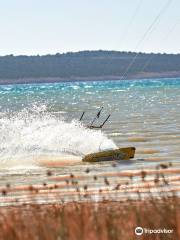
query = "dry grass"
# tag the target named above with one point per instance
(104, 220)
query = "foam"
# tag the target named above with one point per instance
(34, 134)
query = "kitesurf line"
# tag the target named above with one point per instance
(149, 30)
(125, 33)
(165, 37)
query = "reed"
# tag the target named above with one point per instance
(87, 219)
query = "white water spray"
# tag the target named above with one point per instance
(33, 135)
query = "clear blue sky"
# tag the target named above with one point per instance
(50, 26)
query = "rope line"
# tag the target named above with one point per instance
(163, 39)
(149, 30)
(131, 21)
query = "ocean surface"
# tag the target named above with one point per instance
(40, 128)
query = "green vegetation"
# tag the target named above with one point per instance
(87, 65)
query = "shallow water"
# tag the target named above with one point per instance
(40, 129)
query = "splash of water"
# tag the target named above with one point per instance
(33, 134)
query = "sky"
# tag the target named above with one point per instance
(31, 27)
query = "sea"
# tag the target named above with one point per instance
(41, 131)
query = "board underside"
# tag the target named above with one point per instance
(111, 155)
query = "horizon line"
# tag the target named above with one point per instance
(81, 51)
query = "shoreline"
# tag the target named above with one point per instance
(139, 76)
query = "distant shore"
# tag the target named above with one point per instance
(87, 65)
(149, 75)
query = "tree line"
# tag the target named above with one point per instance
(86, 64)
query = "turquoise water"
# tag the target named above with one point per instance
(144, 114)
(39, 127)
(62, 95)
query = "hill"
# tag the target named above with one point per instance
(87, 65)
